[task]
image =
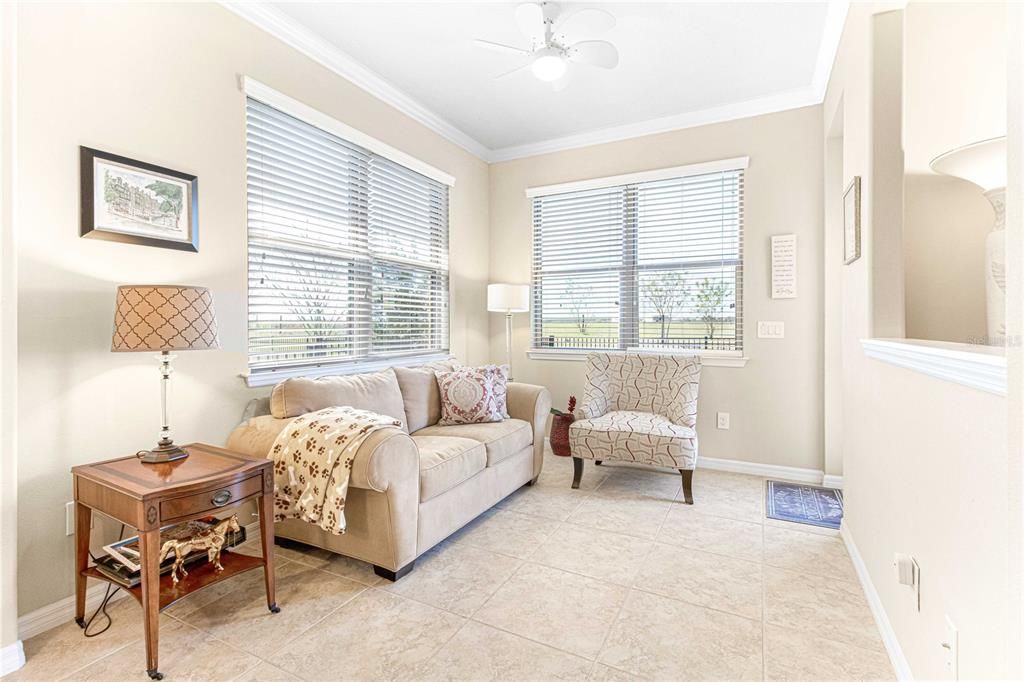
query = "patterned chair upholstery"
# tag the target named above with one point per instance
(641, 408)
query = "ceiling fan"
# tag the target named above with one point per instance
(552, 47)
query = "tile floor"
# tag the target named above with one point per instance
(618, 580)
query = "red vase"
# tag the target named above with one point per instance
(560, 434)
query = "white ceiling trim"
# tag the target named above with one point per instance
(793, 99)
(835, 19)
(294, 34)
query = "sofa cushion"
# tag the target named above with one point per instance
(377, 392)
(501, 439)
(420, 393)
(445, 462)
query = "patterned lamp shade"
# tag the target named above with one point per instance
(164, 318)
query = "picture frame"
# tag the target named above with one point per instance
(851, 222)
(134, 202)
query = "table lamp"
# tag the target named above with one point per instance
(164, 318)
(508, 299)
(984, 164)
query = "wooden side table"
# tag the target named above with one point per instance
(209, 481)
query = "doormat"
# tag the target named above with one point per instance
(799, 503)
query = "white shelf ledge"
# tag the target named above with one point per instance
(980, 367)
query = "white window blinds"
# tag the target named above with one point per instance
(348, 252)
(647, 264)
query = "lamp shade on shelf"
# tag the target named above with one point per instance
(983, 163)
(508, 298)
(164, 318)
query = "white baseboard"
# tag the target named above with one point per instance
(832, 481)
(766, 470)
(63, 610)
(12, 657)
(892, 645)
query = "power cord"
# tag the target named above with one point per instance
(102, 608)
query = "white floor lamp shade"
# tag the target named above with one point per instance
(508, 299)
(984, 164)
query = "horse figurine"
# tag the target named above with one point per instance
(212, 540)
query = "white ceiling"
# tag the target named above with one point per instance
(681, 64)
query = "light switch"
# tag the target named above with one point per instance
(723, 420)
(771, 330)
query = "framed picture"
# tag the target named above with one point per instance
(851, 222)
(124, 200)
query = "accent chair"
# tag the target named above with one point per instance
(639, 408)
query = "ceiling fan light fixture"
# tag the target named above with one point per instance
(548, 67)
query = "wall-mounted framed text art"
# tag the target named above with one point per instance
(851, 222)
(125, 200)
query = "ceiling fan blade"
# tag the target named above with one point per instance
(587, 22)
(499, 47)
(599, 53)
(530, 19)
(509, 73)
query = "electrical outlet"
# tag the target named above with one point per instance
(723, 420)
(950, 646)
(69, 518)
(771, 330)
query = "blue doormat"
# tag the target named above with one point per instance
(801, 503)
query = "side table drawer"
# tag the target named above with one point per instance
(210, 500)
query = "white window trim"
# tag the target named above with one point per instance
(708, 358)
(980, 367)
(738, 163)
(269, 96)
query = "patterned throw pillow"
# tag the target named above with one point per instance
(473, 395)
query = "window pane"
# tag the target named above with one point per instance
(348, 251)
(653, 264)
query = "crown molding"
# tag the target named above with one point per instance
(297, 36)
(831, 34)
(292, 33)
(793, 99)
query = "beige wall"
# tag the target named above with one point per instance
(925, 461)
(159, 83)
(775, 401)
(945, 222)
(8, 344)
(954, 94)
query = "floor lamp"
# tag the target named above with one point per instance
(508, 299)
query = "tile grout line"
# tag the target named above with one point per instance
(618, 612)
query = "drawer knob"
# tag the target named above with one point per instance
(221, 498)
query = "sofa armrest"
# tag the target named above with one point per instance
(387, 458)
(532, 404)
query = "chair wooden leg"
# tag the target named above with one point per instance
(687, 475)
(577, 472)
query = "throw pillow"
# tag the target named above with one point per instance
(473, 395)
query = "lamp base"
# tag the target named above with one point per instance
(162, 454)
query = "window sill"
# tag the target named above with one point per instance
(708, 358)
(980, 367)
(273, 377)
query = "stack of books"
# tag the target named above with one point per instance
(122, 562)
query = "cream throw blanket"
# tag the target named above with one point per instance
(313, 460)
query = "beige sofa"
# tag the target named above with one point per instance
(412, 487)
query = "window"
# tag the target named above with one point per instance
(348, 253)
(652, 260)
